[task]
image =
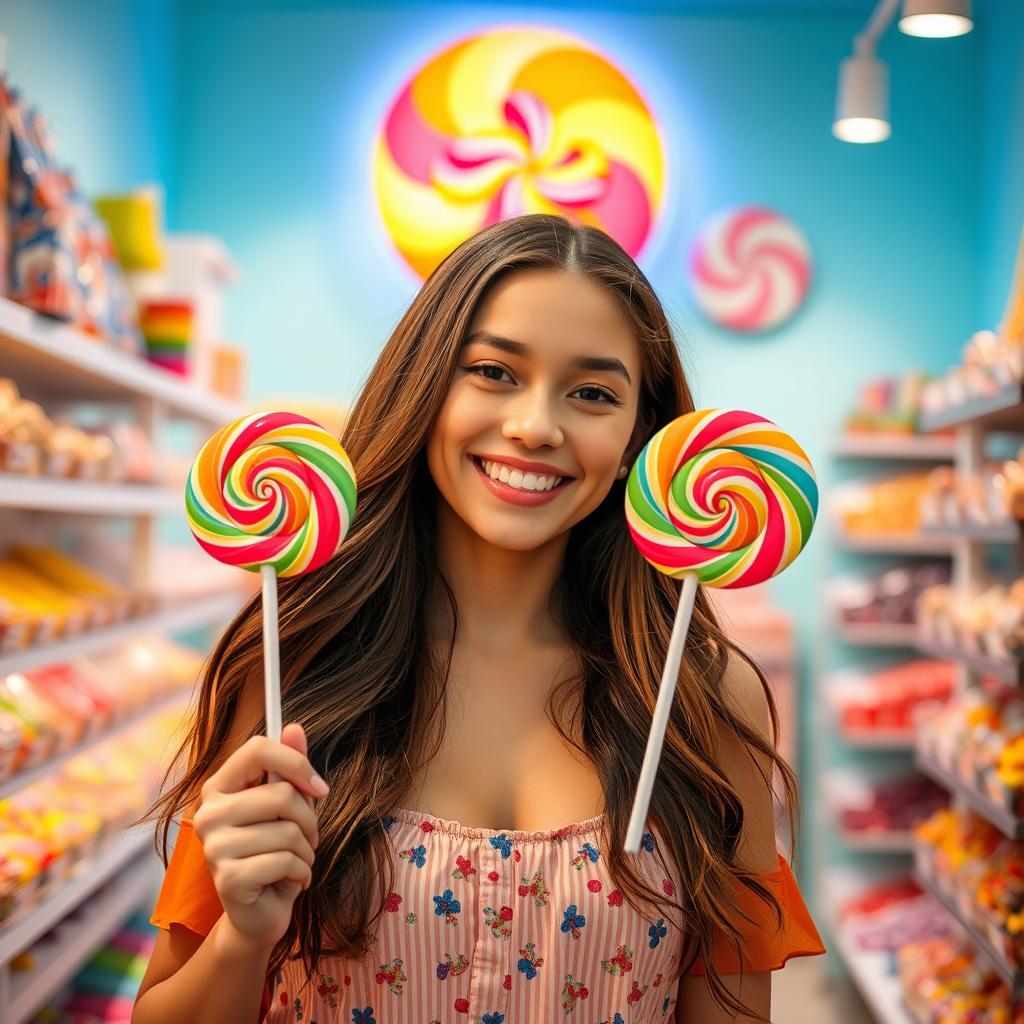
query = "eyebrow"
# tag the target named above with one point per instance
(517, 348)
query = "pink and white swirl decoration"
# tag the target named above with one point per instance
(750, 269)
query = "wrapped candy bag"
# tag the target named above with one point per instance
(59, 255)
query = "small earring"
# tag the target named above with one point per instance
(622, 471)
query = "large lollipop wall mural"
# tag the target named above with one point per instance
(720, 497)
(512, 121)
(272, 493)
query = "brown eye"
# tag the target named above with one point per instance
(605, 396)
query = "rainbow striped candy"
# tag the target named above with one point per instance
(273, 488)
(724, 494)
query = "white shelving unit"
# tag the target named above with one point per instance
(1000, 413)
(59, 366)
(869, 969)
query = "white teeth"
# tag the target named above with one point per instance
(516, 478)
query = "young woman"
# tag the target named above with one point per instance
(475, 669)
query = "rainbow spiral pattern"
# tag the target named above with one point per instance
(273, 488)
(724, 494)
(513, 121)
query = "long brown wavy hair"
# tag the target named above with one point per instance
(359, 674)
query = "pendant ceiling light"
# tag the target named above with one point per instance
(936, 19)
(862, 97)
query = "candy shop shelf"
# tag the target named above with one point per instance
(200, 611)
(1007, 671)
(1008, 533)
(905, 543)
(45, 768)
(978, 801)
(1014, 978)
(1002, 411)
(876, 634)
(868, 968)
(78, 940)
(879, 739)
(49, 358)
(87, 876)
(877, 842)
(108, 499)
(895, 446)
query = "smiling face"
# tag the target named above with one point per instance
(540, 411)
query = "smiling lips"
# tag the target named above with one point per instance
(518, 487)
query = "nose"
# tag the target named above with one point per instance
(531, 420)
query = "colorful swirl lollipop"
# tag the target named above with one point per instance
(272, 489)
(275, 493)
(720, 497)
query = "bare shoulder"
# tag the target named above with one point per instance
(748, 770)
(745, 695)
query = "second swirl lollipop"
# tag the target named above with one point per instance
(721, 497)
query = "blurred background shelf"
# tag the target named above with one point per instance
(51, 358)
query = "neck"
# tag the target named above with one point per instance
(503, 597)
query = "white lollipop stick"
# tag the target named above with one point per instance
(659, 723)
(271, 659)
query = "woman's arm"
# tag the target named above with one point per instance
(747, 772)
(216, 980)
(694, 1004)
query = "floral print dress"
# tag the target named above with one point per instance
(497, 927)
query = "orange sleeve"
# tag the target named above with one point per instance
(766, 948)
(188, 896)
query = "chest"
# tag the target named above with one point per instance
(502, 762)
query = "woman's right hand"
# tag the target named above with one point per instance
(259, 838)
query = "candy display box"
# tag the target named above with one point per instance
(197, 270)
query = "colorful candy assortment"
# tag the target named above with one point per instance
(46, 595)
(892, 805)
(946, 981)
(990, 623)
(46, 711)
(62, 261)
(888, 405)
(990, 364)
(887, 914)
(168, 327)
(892, 505)
(890, 598)
(994, 496)
(48, 826)
(32, 444)
(893, 699)
(104, 990)
(980, 870)
(979, 737)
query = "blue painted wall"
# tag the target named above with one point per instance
(104, 75)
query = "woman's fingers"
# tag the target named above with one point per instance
(266, 803)
(246, 878)
(259, 755)
(266, 837)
